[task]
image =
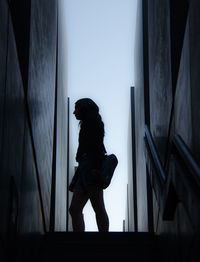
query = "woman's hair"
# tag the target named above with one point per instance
(89, 112)
(87, 108)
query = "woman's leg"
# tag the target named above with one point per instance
(96, 197)
(79, 199)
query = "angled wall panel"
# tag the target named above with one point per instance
(30, 215)
(62, 111)
(41, 90)
(140, 121)
(12, 138)
(160, 83)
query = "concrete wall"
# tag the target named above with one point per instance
(194, 38)
(173, 94)
(139, 124)
(28, 46)
(62, 120)
(182, 118)
(160, 89)
(12, 124)
(41, 91)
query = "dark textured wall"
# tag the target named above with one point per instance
(41, 90)
(30, 216)
(160, 89)
(3, 57)
(184, 228)
(182, 121)
(173, 94)
(194, 38)
(12, 125)
(28, 143)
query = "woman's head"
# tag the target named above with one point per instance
(85, 108)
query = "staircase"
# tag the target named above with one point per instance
(92, 246)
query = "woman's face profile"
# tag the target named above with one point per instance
(77, 113)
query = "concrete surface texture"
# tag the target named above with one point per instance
(172, 36)
(139, 125)
(28, 81)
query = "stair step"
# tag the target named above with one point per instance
(90, 245)
(68, 246)
(96, 236)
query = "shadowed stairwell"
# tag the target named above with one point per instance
(91, 246)
(163, 191)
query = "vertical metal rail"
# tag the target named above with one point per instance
(128, 210)
(67, 193)
(134, 159)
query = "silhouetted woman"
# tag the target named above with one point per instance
(90, 154)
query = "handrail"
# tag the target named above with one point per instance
(181, 149)
(184, 152)
(154, 153)
(180, 154)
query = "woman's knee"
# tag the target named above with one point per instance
(78, 202)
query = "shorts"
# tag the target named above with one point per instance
(84, 173)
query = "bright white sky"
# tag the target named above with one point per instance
(100, 49)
